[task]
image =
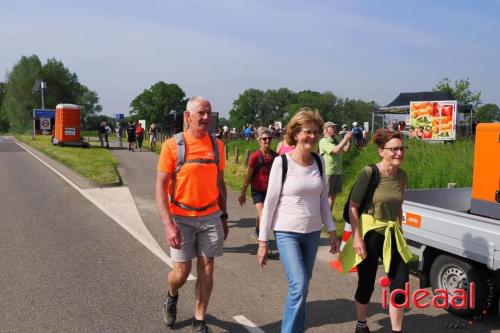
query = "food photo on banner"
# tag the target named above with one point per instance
(434, 120)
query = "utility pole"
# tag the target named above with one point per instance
(42, 87)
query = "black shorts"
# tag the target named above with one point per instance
(258, 197)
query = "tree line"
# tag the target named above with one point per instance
(154, 104)
(18, 99)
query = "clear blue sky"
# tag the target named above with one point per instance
(370, 50)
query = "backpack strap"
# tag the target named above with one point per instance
(215, 146)
(370, 190)
(213, 139)
(317, 159)
(284, 168)
(181, 157)
(372, 186)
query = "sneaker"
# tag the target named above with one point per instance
(362, 329)
(170, 310)
(200, 328)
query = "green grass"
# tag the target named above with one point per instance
(95, 163)
(427, 165)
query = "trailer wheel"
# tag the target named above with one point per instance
(450, 273)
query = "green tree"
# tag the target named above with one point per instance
(4, 120)
(89, 102)
(461, 91)
(223, 122)
(277, 102)
(62, 87)
(487, 113)
(249, 108)
(155, 103)
(19, 101)
(350, 110)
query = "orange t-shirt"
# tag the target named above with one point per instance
(196, 184)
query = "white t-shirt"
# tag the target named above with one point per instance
(301, 205)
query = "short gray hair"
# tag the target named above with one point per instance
(263, 130)
(193, 101)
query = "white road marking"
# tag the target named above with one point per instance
(119, 205)
(247, 324)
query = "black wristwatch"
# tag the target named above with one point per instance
(224, 216)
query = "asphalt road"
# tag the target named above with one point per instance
(66, 266)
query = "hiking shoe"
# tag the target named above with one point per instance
(362, 329)
(200, 327)
(170, 310)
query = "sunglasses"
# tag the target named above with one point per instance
(396, 149)
(266, 139)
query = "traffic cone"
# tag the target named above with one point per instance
(335, 264)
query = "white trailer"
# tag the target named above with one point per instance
(456, 232)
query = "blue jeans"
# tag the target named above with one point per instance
(297, 254)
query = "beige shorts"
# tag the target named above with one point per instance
(202, 236)
(334, 183)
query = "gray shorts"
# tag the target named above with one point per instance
(202, 236)
(334, 183)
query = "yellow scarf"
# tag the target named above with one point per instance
(350, 259)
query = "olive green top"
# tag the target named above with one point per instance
(387, 198)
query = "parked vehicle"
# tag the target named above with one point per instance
(456, 232)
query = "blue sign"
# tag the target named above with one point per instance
(44, 113)
(119, 116)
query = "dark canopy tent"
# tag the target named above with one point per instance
(401, 104)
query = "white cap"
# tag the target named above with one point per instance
(354, 124)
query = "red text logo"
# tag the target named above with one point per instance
(422, 298)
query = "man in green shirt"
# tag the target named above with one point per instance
(331, 150)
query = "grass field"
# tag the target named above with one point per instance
(427, 165)
(95, 163)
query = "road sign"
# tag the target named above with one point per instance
(119, 116)
(45, 124)
(43, 113)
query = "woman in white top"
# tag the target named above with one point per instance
(295, 209)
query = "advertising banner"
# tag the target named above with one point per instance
(433, 120)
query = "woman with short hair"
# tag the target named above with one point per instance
(295, 209)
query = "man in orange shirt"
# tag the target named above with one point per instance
(191, 199)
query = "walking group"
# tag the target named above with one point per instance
(293, 191)
(135, 135)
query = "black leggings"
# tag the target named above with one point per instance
(367, 269)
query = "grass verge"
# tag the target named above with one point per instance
(96, 164)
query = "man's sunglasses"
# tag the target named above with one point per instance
(266, 139)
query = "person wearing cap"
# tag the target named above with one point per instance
(331, 149)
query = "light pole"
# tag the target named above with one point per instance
(42, 87)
